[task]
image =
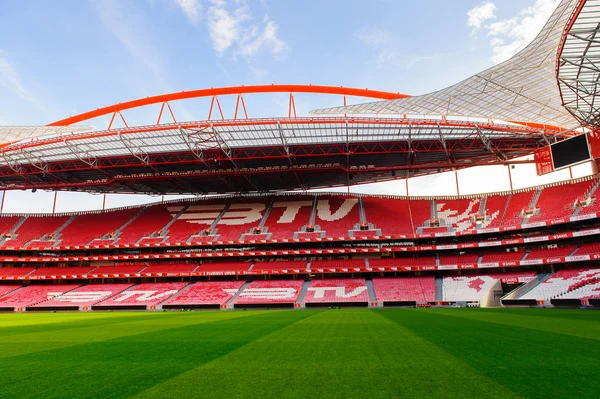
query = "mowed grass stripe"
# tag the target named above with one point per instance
(16, 345)
(334, 354)
(31, 318)
(121, 367)
(526, 360)
(72, 323)
(537, 319)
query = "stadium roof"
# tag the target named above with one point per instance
(10, 134)
(578, 68)
(523, 88)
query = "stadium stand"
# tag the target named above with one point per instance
(170, 269)
(502, 256)
(557, 202)
(391, 216)
(34, 228)
(142, 296)
(32, 294)
(341, 290)
(107, 271)
(240, 217)
(5, 289)
(85, 228)
(280, 265)
(150, 221)
(224, 267)
(420, 212)
(463, 259)
(205, 294)
(14, 272)
(7, 223)
(466, 288)
(542, 253)
(562, 282)
(288, 216)
(400, 289)
(59, 272)
(516, 204)
(337, 215)
(588, 248)
(458, 213)
(270, 292)
(319, 264)
(495, 209)
(83, 297)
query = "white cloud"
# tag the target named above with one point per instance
(479, 14)
(233, 28)
(374, 36)
(509, 36)
(192, 9)
(386, 51)
(10, 80)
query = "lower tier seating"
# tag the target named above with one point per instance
(32, 294)
(337, 290)
(265, 292)
(86, 295)
(562, 282)
(207, 293)
(147, 294)
(419, 289)
(466, 288)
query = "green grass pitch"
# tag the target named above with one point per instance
(353, 353)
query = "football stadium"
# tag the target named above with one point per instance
(257, 270)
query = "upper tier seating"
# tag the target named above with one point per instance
(337, 290)
(86, 295)
(241, 216)
(391, 216)
(458, 213)
(337, 264)
(58, 272)
(207, 293)
(280, 265)
(33, 294)
(464, 259)
(85, 228)
(588, 249)
(16, 272)
(516, 203)
(502, 256)
(337, 215)
(419, 289)
(495, 205)
(288, 215)
(7, 223)
(562, 282)
(151, 220)
(265, 292)
(224, 267)
(543, 253)
(420, 212)
(402, 261)
(106, 271)
(466, 288)
(558, 201)
(147, 294)
(593, 207)
(34, 228)
(171, 269)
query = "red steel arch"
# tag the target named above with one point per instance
(233, 90)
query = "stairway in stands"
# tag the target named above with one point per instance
(230, 302)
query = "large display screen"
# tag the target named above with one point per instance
(570, 151)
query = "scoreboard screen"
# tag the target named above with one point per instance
(570, 151)
(565, 153)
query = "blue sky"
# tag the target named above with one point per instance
(70, 56)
